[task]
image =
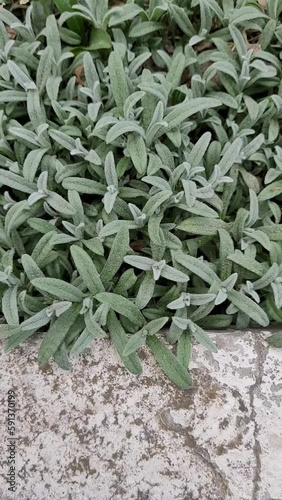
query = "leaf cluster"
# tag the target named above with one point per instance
(140, 175)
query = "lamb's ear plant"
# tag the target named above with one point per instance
(140, 176)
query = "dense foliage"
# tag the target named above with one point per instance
(141, 174)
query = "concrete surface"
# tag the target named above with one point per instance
(98, 433)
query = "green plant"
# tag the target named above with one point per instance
(141, 174)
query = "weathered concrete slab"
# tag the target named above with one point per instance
(99, 433)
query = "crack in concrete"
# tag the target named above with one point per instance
(261, 354)
(168, 422)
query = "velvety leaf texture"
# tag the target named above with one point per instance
(140, 175)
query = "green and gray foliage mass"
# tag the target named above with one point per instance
(140, 175)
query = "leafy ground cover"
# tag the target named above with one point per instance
(140, 175)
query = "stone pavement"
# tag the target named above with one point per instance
(98, 433)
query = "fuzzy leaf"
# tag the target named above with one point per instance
(169, 363)
(120, 339)
(122, 128)
(15, 181)
(10, 306)
(86, 186)
(118, 251)
(56, 334)
(249, 307)
(91, 332)
(99, 39)
(145, 28)
(199, 334)
(136, 341)
(275, 340)
(146, 290)
(182, 111)
(87, 270)
(198, 267)
(58, 288)
(124, 13)
(118, 80)
(137, 151)
(201, 225)
(122, 306)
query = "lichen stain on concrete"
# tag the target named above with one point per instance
(97, 433)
